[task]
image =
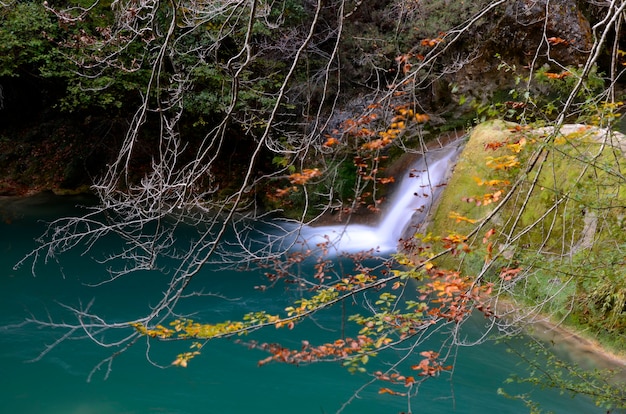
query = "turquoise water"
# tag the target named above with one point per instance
(225, 378)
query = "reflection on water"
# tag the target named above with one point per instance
(225, 378)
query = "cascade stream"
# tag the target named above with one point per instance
(411, 203)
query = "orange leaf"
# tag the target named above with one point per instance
(375, 144)
(557, 75)
(489, 233)
(304, 176)
(557, 41)
(508, 274)
(421, 118)
(489, 252)
(331, 141)
(429, 354)
(493, 145)
(430, 42)
(281, 192)
(386, 180)
(490, 183)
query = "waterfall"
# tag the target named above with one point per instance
(411, 202)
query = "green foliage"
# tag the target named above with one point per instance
(26, 30)
(35, 42)
(560, 83)
(211, 90)
(577, 179)
(575, 174)
(105, 92)
(601, 294)
(537, 97)
(434, 17)
(346, 180)
(547, 370)
(533, 406)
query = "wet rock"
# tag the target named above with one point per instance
(519, 34)
(550, 29)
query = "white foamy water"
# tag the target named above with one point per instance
(416, 193)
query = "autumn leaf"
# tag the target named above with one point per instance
(403, 58)
(490, 183)
(454, 238)
(421, 118)
(459, 218)
(491, 197)
(561, 75)
(375, 144)
(386, 180)
(515, 104)
(429, 354)
(486, 199)
(517, 128)
(429, 366)
(488, 234)
(390, 391)
(431, 42)
(502, 163)
(403, 111)
(330, 142)
(180, 362)
(493, 145)
(282, 192)
(557, 41)
(304, 176)
(489, 252)
(507, 274)
(517, 147)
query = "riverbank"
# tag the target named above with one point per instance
(565, 341)
(586, 352)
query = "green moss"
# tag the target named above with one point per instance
(463, 185)
(564, 221)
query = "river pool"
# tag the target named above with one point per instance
(226, 377)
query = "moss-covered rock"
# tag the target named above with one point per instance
(551, 206)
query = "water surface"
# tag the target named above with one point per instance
(225, 378)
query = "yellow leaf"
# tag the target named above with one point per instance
(502, 163)
(459, 218)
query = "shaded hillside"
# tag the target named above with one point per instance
(78, 114)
